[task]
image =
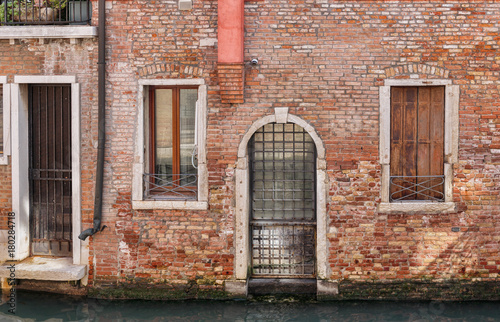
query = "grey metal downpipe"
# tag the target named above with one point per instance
(101, 125)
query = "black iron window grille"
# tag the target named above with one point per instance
(420, 188)
(167, 186)
(45, 12)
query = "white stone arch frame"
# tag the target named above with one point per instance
(242, 220)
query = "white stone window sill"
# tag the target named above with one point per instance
(4, 160)
(45, 269)
(429, 207)
(70, 31)
(170, 204)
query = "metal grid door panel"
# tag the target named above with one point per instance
(283, 250)
(50, 170)
(283, 201)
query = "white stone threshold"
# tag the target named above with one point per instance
(44, 269)
(71, 31)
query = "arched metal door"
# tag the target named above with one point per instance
(283, 201)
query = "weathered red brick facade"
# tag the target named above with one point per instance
(323, 60)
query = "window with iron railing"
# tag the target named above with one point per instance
(172, 147)
(45, 12)
(418, 147)
(170, 168)
(417, 144)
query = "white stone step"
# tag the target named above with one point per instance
(44, 268)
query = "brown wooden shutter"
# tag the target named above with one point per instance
(403, 135)
(435, 160)
(417, 139)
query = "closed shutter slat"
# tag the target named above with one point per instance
(397, 96)
(424, 138)
(437, 136)
(417, 138)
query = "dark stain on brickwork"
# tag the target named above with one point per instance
(451, 290)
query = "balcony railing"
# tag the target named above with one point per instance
(168, 186)
(417, 188)
(45, 12)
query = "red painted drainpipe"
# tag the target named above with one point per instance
(230, 31)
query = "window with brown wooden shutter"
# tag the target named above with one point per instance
(417, 143)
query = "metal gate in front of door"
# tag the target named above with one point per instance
(50, 169)
(283, 202)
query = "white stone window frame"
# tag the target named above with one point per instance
(141, 135)
(20, 163)
(4, 157)
(452, 97)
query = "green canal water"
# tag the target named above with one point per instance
(53, 308)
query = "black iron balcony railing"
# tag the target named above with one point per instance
(45, 12)
(168, 186)
(417, 188)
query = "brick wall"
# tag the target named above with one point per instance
(55, 57)
(325, 61)
(155, 40)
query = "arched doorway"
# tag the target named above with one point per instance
(243, 236)
(282, 169)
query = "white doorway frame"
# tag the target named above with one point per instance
(20, 163)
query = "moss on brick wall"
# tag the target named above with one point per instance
(456, 290)
(192, 290)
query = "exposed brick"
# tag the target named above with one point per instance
(231, 82)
